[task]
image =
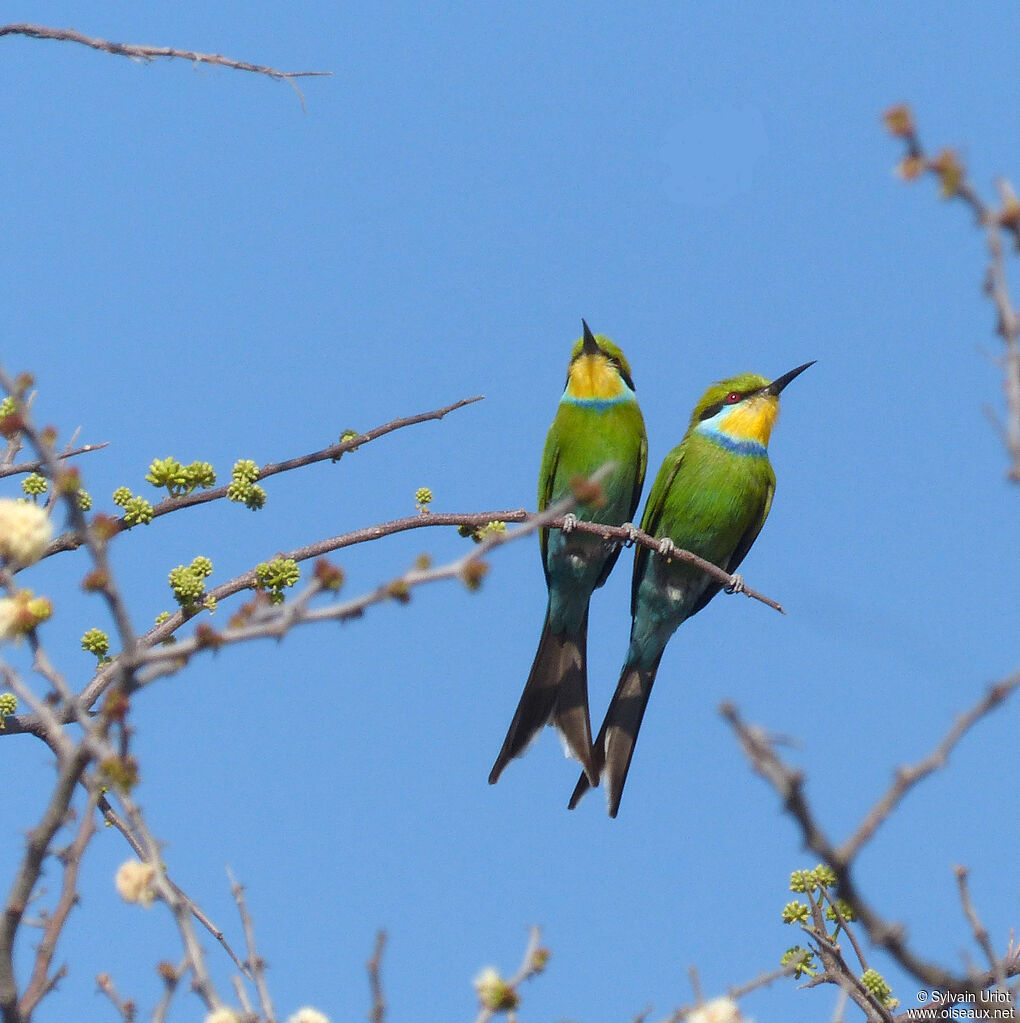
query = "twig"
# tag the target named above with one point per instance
(25, 467)
(149, 53)
(125, 1007)
(114, 819)
(41, 983)
(377, 1014)
(980, 931)
(907, 777)
(952, 175)
(256, 965)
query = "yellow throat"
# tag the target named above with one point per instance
(594, 378)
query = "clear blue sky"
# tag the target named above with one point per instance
(194, 266)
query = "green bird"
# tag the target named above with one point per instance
(711, 497)
(598, 421)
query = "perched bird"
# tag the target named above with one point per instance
(598, 421)
(711, 497)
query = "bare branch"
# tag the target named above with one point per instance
(149, 53)
(255, 963)
(25, 467)
(41, 983)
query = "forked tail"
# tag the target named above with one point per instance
(556, 693)
(614, 746)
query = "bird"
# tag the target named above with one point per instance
(711, 496)
(598, 421)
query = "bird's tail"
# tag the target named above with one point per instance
(614, 746)
(556, 693)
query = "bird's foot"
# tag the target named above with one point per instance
(736, 584)
(666, 547)
(569, 521)
(632, 533)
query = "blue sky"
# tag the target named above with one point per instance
(196, 267)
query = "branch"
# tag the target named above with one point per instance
(71, 541)
(377, 1014)
(789, 785)
(150, 53)
(25, 467)
(952, 175)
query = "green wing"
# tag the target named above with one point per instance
(639, 482)
(653, 513)
(744, 544)
(546, 478)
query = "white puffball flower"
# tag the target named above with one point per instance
(719, 1010)
(134, 882)
(25, 530)
(222, 1016)
(308, 1015)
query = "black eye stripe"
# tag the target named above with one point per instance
(711, 411)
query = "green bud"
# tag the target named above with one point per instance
(97, 642)
(845, 910)
(801, 959)
(824, 876)
(795, 913)
(244, 471)
(84, 500)
(163, 616)
(121, 496)
(875, 983)
(256, 498)
(187, 585)
(8, 704)
(137, 510)
(202, 566)
(275, 576)
(35, 485)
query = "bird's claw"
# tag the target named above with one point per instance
(736, 584)
(569, 521)
(666, 547)
(631, 534)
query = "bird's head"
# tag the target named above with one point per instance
(598, 370)
(744, 407)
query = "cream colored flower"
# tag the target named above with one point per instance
(494, 992)
(308, 1015)
(9, 619)
(719, 1010)
(223, 1016)
(134, 882)
(25, 530)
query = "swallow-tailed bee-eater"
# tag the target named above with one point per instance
(598, 422)
(711, 497)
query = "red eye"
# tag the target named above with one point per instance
(733, 397)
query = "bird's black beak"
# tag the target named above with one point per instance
(779, 383)
(590, 346)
